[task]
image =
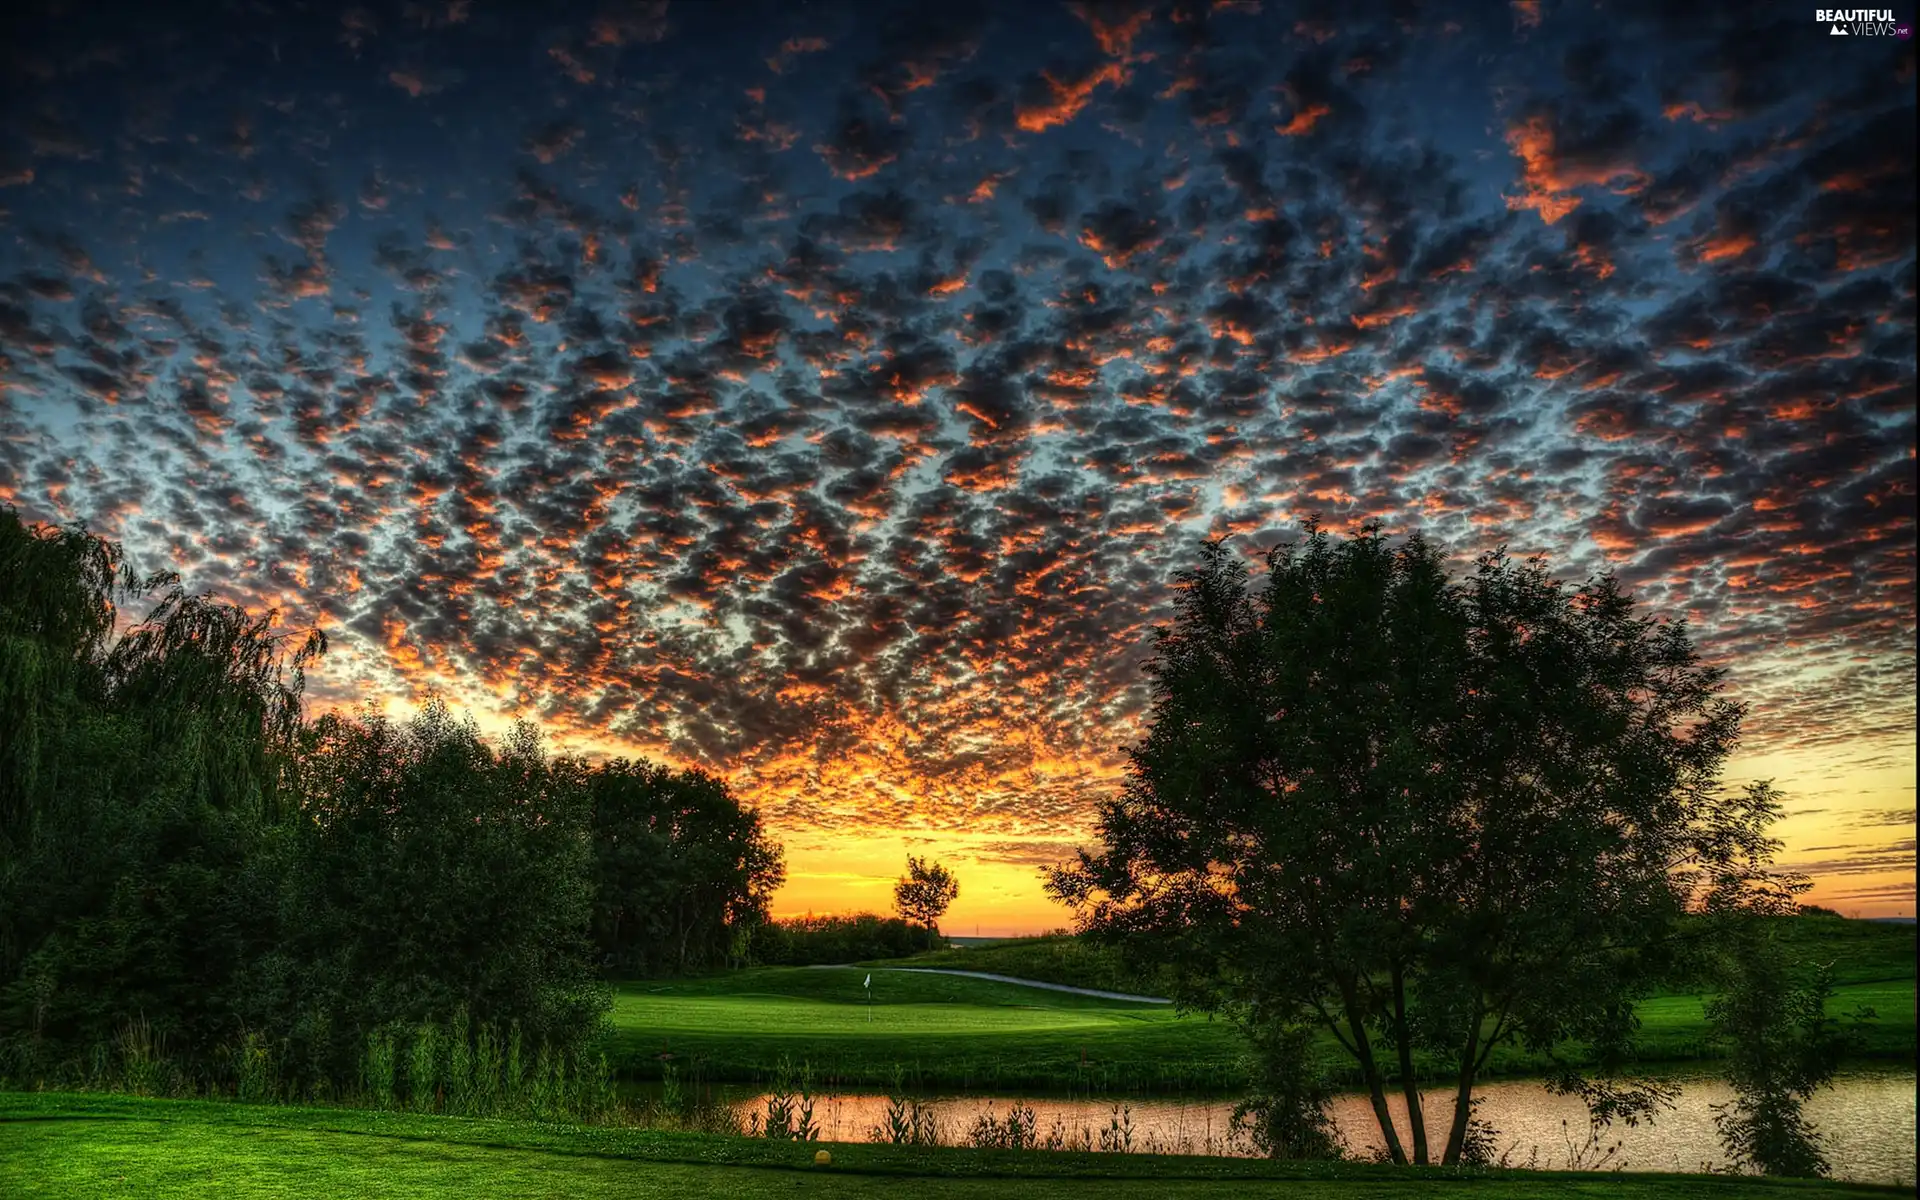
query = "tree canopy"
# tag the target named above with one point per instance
(1423, 813)
(924, 893)
(681, 867)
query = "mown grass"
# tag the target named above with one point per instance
(941, 1031)
(948, 1031)
(1051, 958)
(56, 1147)
(1859, 951)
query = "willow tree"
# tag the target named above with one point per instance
(58, 595)
(1420, 814)
(143, 755)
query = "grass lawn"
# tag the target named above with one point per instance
(950, 1032)
(55, 1147)
(1860, 951)
(943, 1030)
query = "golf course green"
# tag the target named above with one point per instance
(940, 1030)
(952, 1032)
(64, 1147)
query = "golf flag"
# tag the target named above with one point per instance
(869, 982)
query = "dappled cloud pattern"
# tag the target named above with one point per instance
(825, 394)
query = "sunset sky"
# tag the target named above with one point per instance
(825, 393)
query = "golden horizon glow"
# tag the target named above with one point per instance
(1828, 799)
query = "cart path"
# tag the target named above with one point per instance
(1032, 983)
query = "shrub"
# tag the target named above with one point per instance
(809, 941)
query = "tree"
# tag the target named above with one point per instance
(682, 868)
(923, 894)
(139, 774)
(1420, 813)
(1771, 1012)
(434, 873)
(181, 852)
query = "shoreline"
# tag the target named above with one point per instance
(1662, 1069)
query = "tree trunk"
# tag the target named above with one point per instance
(1409, 1087)
(1370, 1071)
(1463, 1093)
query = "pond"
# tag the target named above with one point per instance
(1867, 1117)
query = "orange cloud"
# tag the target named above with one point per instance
(1067, 98)
(1549, 177)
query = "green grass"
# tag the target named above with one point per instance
(1860, 951)
(56, 1147)
(1674, 1027)
(951, 1032)
(943, 1030)
(1053, 958)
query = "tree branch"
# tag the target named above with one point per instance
(1349, 1047)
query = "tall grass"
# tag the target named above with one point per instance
(789, 1106)
(379, 1070)
(144, 1069)
(489, 1070)
(462, 1092)
(1018, 1130)
(255, 1078)
(687, 1102)
(906, 1122)
(423, 1069)
(455, 1068)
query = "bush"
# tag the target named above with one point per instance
(810, 941)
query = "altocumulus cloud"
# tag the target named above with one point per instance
(826, 393)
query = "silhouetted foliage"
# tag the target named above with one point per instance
(138, 776)
(1285, 1113)
(188, 869)
(810, 941)
(1423, 813)
(432, 873)
(924, 893)
(1771, 1014)
(682, 870)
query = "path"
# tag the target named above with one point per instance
(1032, 983)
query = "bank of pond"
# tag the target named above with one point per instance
(86, 1145)
(1867, 1119)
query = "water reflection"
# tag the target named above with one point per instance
(1867, 1116)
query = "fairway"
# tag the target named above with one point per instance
(939, 1029)
(954, 1032)
(72, 1147)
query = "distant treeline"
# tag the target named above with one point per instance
(809, 941)
(183, 855)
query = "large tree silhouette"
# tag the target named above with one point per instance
(1421, 813)
(683, 870)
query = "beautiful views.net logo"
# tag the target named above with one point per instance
(1862, 22)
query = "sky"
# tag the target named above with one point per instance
(826, 394)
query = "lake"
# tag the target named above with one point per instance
(1868, 1117)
